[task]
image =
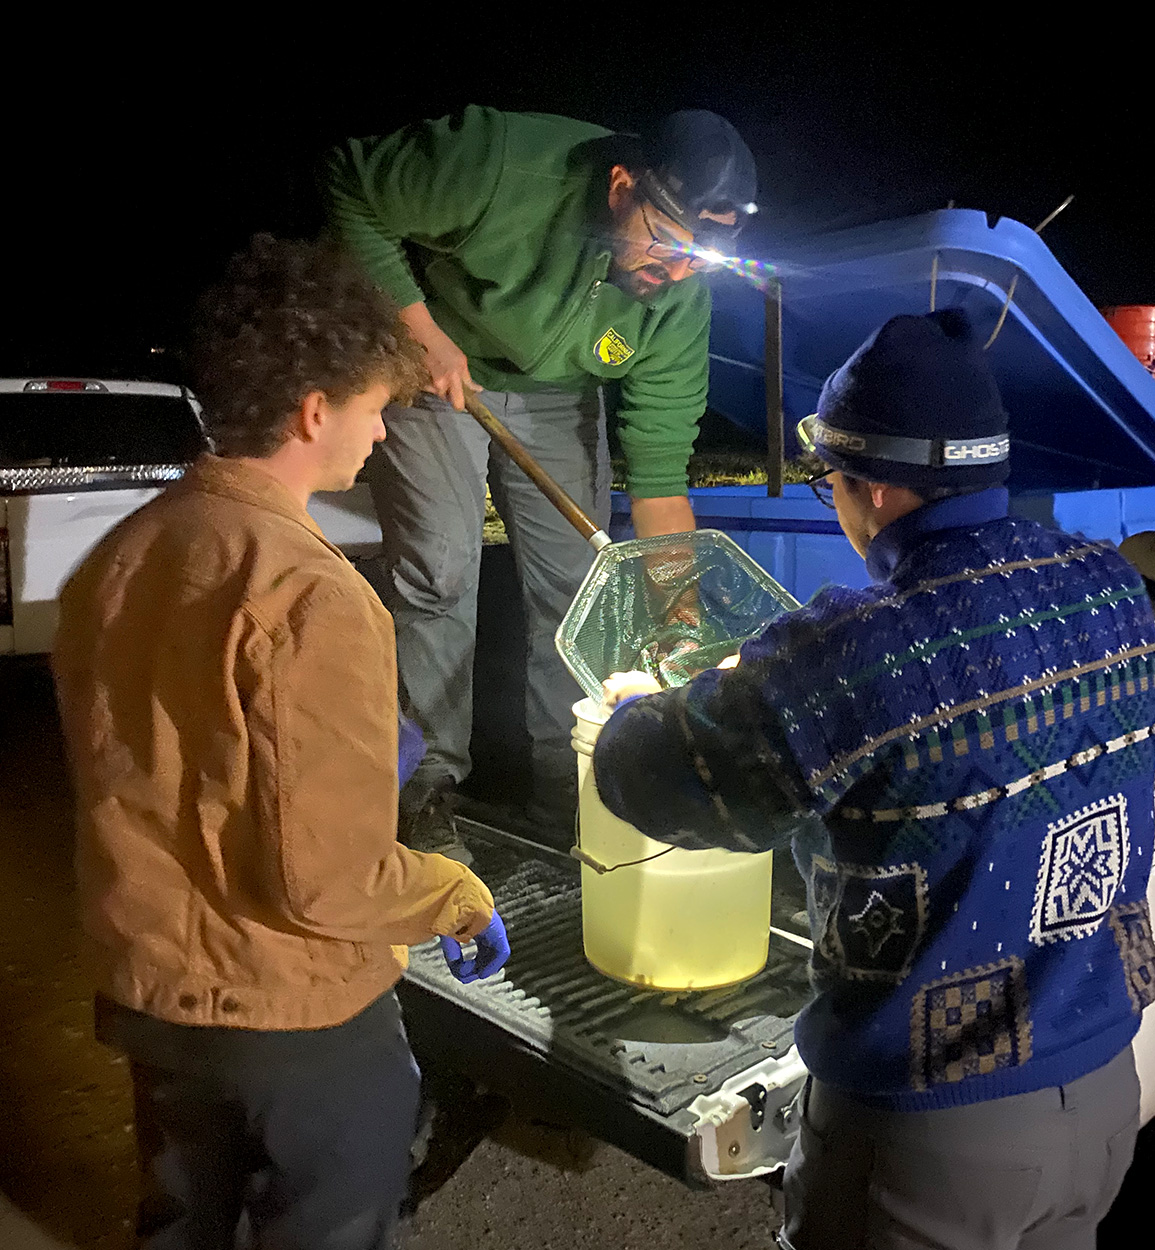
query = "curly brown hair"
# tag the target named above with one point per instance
(290, 317)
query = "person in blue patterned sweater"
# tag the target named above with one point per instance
(963, 758)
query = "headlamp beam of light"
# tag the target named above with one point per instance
(759, 273)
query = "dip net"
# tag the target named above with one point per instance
(669, 606)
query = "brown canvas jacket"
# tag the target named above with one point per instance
(228, 690)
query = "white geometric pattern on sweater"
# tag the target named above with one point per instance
(1084, 859)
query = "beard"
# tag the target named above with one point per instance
(642, 283)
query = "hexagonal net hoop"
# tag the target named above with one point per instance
(670, 606)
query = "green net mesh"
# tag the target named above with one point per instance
(669, 606)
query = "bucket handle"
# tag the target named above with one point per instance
(584, 857)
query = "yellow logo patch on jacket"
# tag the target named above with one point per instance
(612, 349)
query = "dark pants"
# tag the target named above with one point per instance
(314, 1153)
(1029, 1172)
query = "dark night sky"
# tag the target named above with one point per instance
(131, 175)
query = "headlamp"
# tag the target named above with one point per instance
(819, 437)
(708, 235)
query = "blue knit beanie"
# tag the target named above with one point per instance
(915, 406)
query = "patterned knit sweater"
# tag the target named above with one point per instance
(963, 757)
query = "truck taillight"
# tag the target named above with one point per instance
(63, 384)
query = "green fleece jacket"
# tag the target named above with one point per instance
(499, 222)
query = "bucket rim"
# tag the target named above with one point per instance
(583, 707)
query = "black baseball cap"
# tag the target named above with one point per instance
(697, 162)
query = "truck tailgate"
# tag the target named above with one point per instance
(646, 1069)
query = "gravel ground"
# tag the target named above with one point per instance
(66, 1145)
(67, 1157)
(519, 1189)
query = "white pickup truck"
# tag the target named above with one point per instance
(77, 455)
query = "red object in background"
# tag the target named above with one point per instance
(1135, 325)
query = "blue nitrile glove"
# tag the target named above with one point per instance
(492, 952)
(410, 748)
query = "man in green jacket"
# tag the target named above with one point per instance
(535, 258)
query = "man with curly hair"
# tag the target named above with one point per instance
(227, 685)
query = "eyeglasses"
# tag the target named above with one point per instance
(666, 246)
(823, 488)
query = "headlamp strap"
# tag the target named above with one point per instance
(660, 195)
(705, 231)
(938, 453)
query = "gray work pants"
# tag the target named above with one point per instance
(428, 481)
(1029, 1172)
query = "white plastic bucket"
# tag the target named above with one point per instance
(678, 920)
